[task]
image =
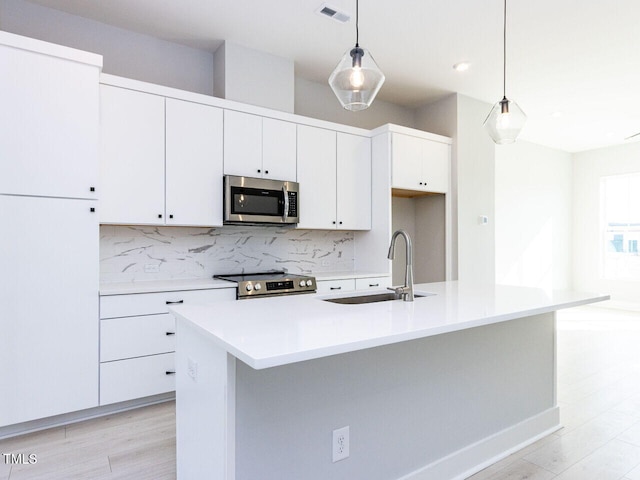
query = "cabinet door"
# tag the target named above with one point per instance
(193, 164)
(131, 337)
(136, 377)
(335, 286)
(242, 144)
(131, 157)
(279, 149)
(48, 125)
(353, 182)
(49, 298)
(435, 166)
(406, 155)
(317, 177)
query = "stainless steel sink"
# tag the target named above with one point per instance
(376, 297)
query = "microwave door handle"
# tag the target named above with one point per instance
(285, 214)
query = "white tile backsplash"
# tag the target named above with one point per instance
(139, 253)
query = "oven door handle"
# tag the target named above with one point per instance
(285, 192)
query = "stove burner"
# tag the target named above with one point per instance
(270, 284)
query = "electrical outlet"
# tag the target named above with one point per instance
(192, 368)
(340, 444)
(151, 268)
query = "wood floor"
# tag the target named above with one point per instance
(599, 396)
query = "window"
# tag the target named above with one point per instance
(620, 202)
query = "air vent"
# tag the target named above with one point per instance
(332, 12)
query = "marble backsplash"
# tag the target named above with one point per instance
(140, 253)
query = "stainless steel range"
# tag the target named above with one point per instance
(270, 284)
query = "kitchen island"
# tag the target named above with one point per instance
(437, 388)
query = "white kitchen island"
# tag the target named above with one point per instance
(438, 388)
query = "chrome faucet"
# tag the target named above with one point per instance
(407, 290)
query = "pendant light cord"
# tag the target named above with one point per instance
(357, 31)
(504, 52)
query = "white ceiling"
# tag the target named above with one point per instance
(577, 57)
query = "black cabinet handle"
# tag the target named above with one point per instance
(170, 216)
(170, 333)
(169, 372)
(267, 172)
(258, 170)
(335, 288)
(340, 223)
(92, 189)
(159, 215)
(92, 209)
(169, 302)
(374, 284)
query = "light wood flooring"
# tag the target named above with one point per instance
(599, 396)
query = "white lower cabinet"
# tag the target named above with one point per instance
(137, 341)
(373, 283)
(335, 286)
(49, 298)
(136, 377)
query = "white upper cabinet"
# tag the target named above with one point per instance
(334, 172)
(48, 124)
(419, 164)
(279, 149)
(259, 147)
(317, 177)
(159, 167)
(193, 164)
(353, 182)
(242, 144)
(132, 157)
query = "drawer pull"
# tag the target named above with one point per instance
(169, 372)
(169, 302)
(170, 333)
(335, 288)
(374, 284)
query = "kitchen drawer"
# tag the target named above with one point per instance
(335, 286)
(373, 283)
(136, 377)
(136, 336)
(112, 306)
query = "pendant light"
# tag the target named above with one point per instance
(506, 119)
(357, 78)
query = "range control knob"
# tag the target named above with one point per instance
(249, 287)
(257, 287)
(309, 283)
(303, 283)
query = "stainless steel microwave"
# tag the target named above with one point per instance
(260, 201)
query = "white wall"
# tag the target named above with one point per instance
(125, 53)
(476, 190)
(256, 78)
(533, 216)
(589, 167)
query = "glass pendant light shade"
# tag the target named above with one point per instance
(357, 79)
(505, 121)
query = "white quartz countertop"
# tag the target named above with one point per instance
(152, 286)
(277, 331)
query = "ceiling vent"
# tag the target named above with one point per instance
(332, 12)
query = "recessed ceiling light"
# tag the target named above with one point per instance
(556, 114)
(461, 67)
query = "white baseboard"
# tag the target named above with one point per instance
(79, 416)
(478, 456)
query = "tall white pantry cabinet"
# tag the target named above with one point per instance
(49, 124)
